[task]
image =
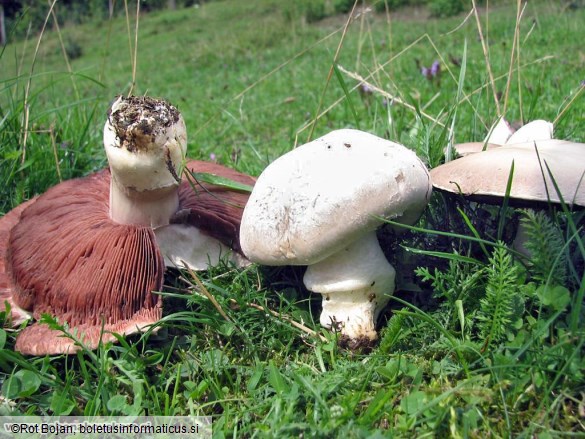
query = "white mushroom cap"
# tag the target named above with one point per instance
(500, 133)
(503, 134)
(314, 200)
(486, 173)
(145, 140)
(535, 130)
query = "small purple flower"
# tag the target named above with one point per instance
(583, 83)
(365, 89)
(431, 72)
(387, 102)
(213, 157)
(435, 69)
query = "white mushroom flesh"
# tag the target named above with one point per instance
(184, 245)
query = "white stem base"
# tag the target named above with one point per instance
(356, 284)
(151, 208)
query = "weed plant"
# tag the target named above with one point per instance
(479, 340)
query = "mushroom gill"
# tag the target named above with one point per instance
(214, 209)
(69, 259)
(90, 251)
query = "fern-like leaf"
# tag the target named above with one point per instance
(391, 333)
(545, 245)
(459, 288)
(502, 304)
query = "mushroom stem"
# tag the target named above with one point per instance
(356, 283)
(520, 240)
(151, 208)
(145, 140)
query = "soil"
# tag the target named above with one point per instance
(139, 116)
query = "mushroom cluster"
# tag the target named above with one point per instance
(91, 251)
(503, 134)
(531, 156)
(485, 175)
(320, 204)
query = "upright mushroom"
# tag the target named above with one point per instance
(86, 252)
(484, 176)
(320, 205)
(502, 134)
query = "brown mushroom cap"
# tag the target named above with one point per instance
(67, 258)
(485, 174)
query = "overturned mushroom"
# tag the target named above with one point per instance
(320, 205)
(86, 251)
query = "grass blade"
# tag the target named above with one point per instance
(347, 96)
(220, 181)
(502, 220)
(444, 255)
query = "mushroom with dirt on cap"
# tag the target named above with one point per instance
(86, 251)
(320, 205)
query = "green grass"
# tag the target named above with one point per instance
(251, 81)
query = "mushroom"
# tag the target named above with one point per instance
(86, 252)
(535, 130)
(320, 205)
(503, 134)
(484, 176)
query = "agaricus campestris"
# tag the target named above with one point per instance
(86, 251)
(502, 134)
(484, 176)
(320, 205)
